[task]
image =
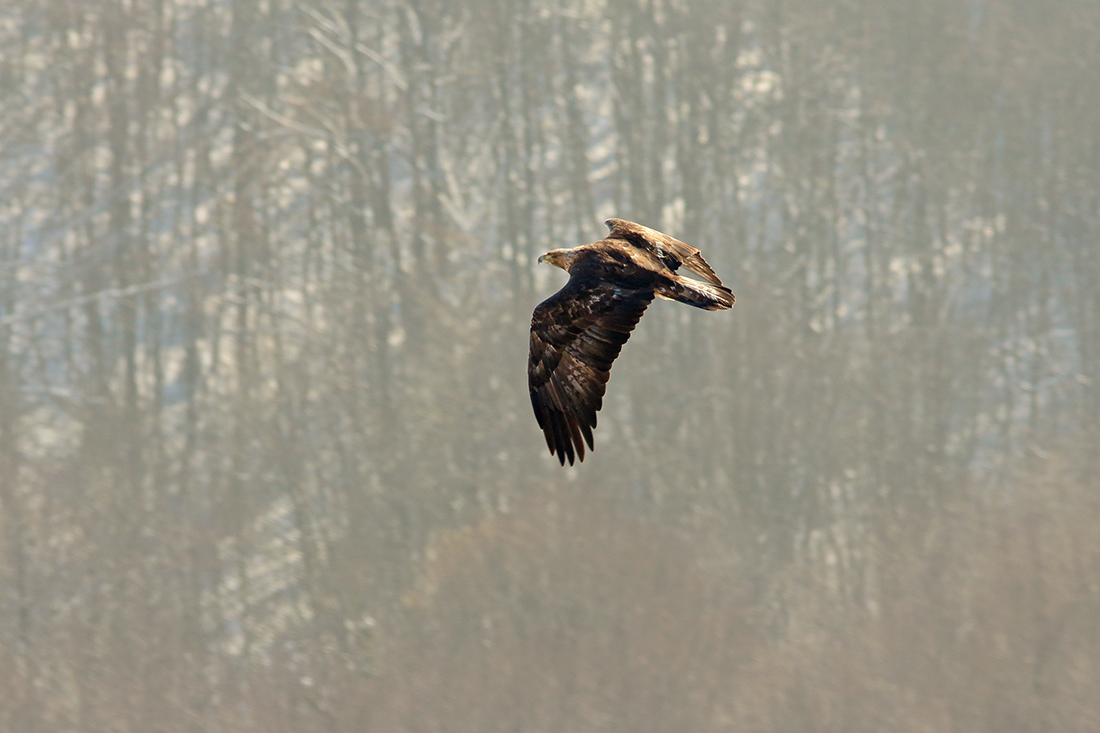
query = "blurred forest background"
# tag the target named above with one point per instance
(267, 460)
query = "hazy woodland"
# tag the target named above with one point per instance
(267, 459)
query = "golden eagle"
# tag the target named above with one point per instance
(577, 332)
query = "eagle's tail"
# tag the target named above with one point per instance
(697, 293)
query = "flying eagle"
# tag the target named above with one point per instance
(577, 332)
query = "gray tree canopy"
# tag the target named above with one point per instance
(267, 459)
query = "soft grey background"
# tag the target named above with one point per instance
(267, 460)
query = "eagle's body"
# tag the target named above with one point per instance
(577, 332)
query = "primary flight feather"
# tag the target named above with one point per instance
(577, 332)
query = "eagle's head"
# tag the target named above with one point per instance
(562, 258)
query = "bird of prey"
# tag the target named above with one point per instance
(577, 332)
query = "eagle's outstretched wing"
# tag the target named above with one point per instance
(672, 252)
(575, 335)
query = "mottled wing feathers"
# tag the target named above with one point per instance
(575, 336)
(672, 252)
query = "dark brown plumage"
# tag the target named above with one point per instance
(577, 332)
